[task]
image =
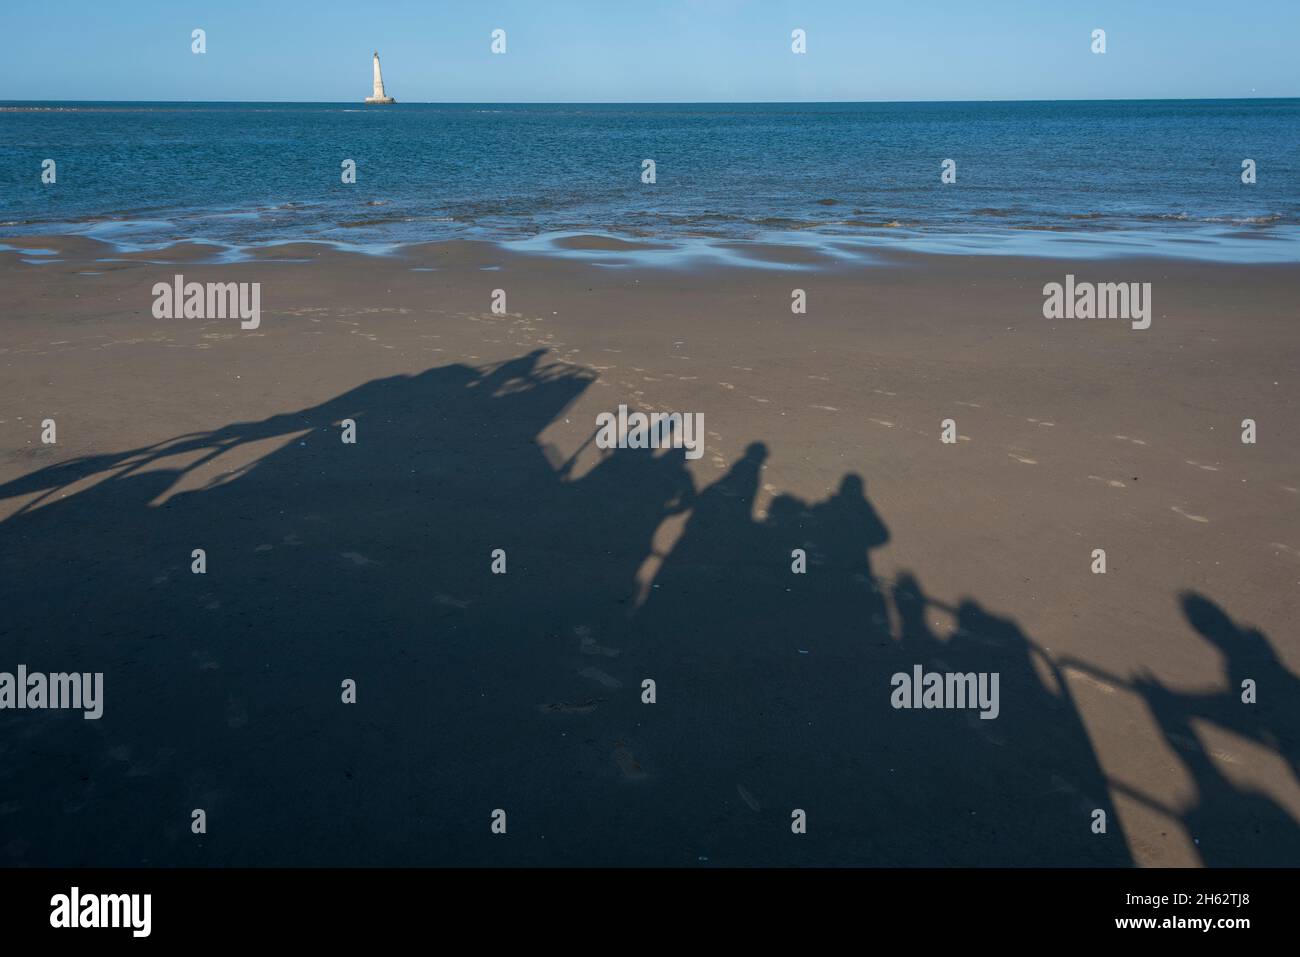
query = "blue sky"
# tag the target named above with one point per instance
(658, 50)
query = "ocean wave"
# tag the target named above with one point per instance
(1261, 220)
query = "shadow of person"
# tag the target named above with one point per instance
(915, 639)
(1230, 826)
(845, 528)
(1273, 720)
(1034, 765)
(857, 525)
(723, 509)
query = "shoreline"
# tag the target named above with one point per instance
(798, 250)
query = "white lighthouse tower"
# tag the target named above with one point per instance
(380, 96)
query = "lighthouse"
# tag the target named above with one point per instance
(380, 96)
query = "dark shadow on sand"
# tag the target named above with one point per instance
(520, 691)
(1232, 826)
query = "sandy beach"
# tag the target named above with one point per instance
(372, 561)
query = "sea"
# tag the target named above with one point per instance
(1086, 179)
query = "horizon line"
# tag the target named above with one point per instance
(400, 102)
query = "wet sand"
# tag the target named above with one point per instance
(1119, 692)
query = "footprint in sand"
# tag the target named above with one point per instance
(356, 558)
(1190, 745)
(628, 764)
(1186, 514)
(586, 706)
(1058, 786)
(595, 674)
(1102, 686)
